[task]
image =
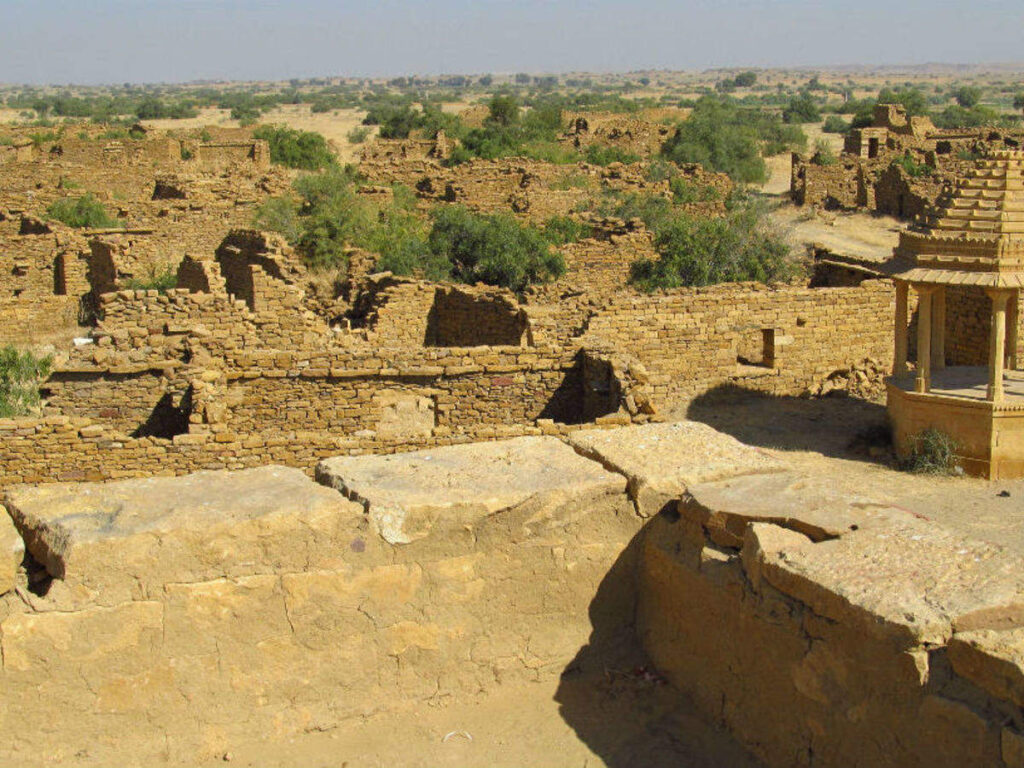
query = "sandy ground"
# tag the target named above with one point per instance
(865, 236)
(618, 720)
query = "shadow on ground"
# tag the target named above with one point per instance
(837, 426)
(619, 706)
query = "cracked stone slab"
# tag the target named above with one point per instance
(409, 495)
(111, 542)
(993, 660)
(907, 581)
(808, 505)
(662, 460)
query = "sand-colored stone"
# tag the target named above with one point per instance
(991, 659)
(125, 540)
(662, 460)
(409, 495)
(908, 581)
(12, 552)
(809, 505)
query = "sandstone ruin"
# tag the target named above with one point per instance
(251, 508)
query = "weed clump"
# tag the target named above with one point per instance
(932, 452)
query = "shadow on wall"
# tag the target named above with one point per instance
(167, 419)
(619, 706)
(837, 425)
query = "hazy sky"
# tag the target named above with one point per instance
(114, 41)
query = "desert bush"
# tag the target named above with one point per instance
(293, 148)
(721, 136)
(835, 124)
(84, 211)
(597, 154)
(823, 153)
(20, 374)
(358, 134)
(686, 191)
(492, 248)
(697, 251)
(932, 452)
(912, 167)
(561, 230)
(801, 109)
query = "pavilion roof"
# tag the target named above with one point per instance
(975, 232)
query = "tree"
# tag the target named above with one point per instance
(494, 249)
(296, 149)
(967, 96)
(745, 79)
(504, 110)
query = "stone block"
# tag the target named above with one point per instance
(125, 540)
(407, 495)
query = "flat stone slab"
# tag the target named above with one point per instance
(906, 580)
(662, 460)
(407, 494)
(809, 505)
(112, 542)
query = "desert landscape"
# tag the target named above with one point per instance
(669, 417)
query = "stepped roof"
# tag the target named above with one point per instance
(975, 232)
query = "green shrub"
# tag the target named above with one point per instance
(492, 248)
(801, 109)
(723, 137)
(245, 114)
(85, 211)
(161, 281)
(696, 251)
(823, 153)
(358, 134)
(686, 191)
(296, 149)
(561, 230)
(597, 154)
(932, 452)
(20, 374)
(912, 167)
(835, 124)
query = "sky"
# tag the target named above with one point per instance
(150, 41)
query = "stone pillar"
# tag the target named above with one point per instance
(923, 382)
(899, 363)
(997, 345)
(1012, 329)
(938, 358)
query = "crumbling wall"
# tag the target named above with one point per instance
(692, 340)
(831, 186)
(864, 636)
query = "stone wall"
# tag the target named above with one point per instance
(778, 340)
(826, 631)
